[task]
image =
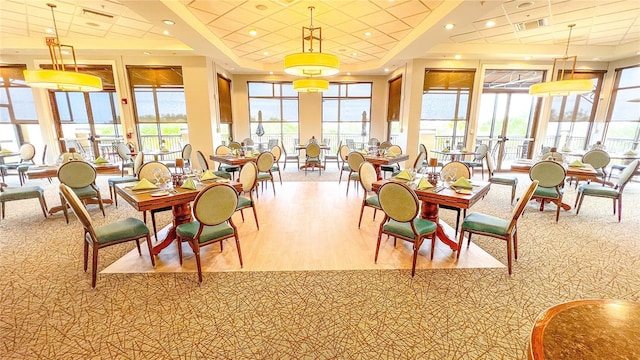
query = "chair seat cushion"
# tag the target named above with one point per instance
(24, 167)
(547, 192)
(189, 230)
(230, 168)
(355, 176)
(264, 176)
(121, 229)
(346, 167)
(598, 190)
(404, 229)
(122, 179)
(21, 193)
(486, 223)
(313, 160)
(504, 180)
(85, 192)
(393, 167)
(472, 163)
(373, 201)
(275, 168)
(243, 202)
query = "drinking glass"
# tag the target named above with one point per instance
(157, 174)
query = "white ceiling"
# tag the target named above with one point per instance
(399, 29)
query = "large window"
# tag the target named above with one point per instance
(273, 114)
(18, 119)
(623, 119)
(572, 117)
(446, 102)
(160, 108)
(346, 114)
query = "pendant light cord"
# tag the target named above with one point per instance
(566, 50)
(55, 25)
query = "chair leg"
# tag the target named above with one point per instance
(433, 244)
(513, 193)
(3, 210)
(255, 215)
(619, 208)
(460, 241)
(416, 248)
(515, 244)
(43, 205)
(509, 254)
(86, 255)
(153, 222)
(361, 212)
(238, 247)
(153, 258)
(94, 267)
(63, 202)
(198, 263)
(138, 245)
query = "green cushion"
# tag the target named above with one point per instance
(346, 167)
(189, 230)
(547, 192)
(598, 190)
(85, 192)
(243, 202)
(313, 160)
(121, 179)
(222, 174)
(264, 176)
(486, 224)
(24, 167)
(21, 193)
(504, 180)
(230, 168)
(275, 168)
(121, 229)
(404, 229)
(355, 176)
(373, 201)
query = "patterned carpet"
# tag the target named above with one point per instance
(48, 311)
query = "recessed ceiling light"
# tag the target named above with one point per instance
(527, 57)
(147, 53)
(166, 32)
(270, 72)
(596, 58)
(524, 5)
(490, 23)
(457, 57)
(386, 69)
(48, 30)
(261, 7)
(93, 24)
(368, 33)
(266, 53)
(348, 73)
(169, 22)
(449, 26)
(354, 54)
(232, 68)
(253, 32)
(65, 52)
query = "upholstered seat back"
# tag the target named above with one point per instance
(77, 174)
(549, 173)
(265, 161)
(215, 204)
(248, 176)
(398, 201)
(597, 158)
(367, 176)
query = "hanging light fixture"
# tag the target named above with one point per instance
(310, 85)
(309, 62)
(563, 87)
(59, 78)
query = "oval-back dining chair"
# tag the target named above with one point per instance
(367, 177)
(456, 169)
(80, 176)
(354, 160)
(249, 180)
(265, 163)
(147, 172)
(550, 175)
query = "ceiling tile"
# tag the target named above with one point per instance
(204, 16)
(415, 20)
(214, 7)
(377, 18)
(133, 24)
(123, 30)
(407, 9)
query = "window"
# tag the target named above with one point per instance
(159, 106)
(446, 101)
(623, 119)
(273, 113)
(572, 117)
(224, 104)
(346, 115)
(393, 108)
(18, 119)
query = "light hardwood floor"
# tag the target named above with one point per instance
(306, 226)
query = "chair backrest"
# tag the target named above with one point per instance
(272, 143)
(481, 151)
(627, 174)
(597, 158)
(367, 176)
(373, 141)
(548, 173)
(137, 162)
(44, 154)
(398, 201)
(215, 204)
(344, 152)
(421, 148)
(77, 174)
(461, 169)
(355, 159)
(265, 161)
(420, 159)
(552, 155)
(350, 144)
(123, 152)
(202, 161)
(313, 150)
(223, 150)
(248, 141)
(313, 140)
(27, 152)
(234, 145)
(395, 148)
(146, 171)
(385, 144)
(490, 165)
(521, 204)
(277, 153)
(249, 176)
(69, 156)
(78, 208)
(186, 151)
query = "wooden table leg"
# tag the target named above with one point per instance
(378, 172)
(429, 211)
(181, 215)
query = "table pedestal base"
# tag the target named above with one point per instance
(429, 211)
(181, 215)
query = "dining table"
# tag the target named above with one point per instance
(455, 154)
(160, 154)
(178, 198)
(444, 194)
(378, 160)
(323, 147)
(7, 154)
(233, 160)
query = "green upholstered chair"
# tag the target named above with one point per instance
(224, 150)
(265, 163)
(373, 141)
(312, 158)
(368, 176)
(401, 208)
(344, 155)
(393, 168)
(22, 193)
(461, 170)
(137, 164)
(27, 153)
(204, 166)
(478, 159)
(550, 175)
(277, 154)
(332, 157)
(249, 180)
(212, 209)
(553, 155)
(234, 145)
(385, 144)
(124, 153)
(24, 167)
(501, 179)
(130, 229)
(147, 171)
(354, 160)
(597, 158)
(295, 156)
(614, 193)
(80, 176)
(187, 149)
(418, 164)
(495, 227)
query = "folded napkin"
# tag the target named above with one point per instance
(5, 151)
(255, 152)
(189, 184)
(323, 144)
(576, 163)
(164, 149)
(404, 175)
(566, 149)
(424, 184)
(630, 152)
(445, 150)
(363, 151)
(301, 144)
(100, 160)
(208, 175)
(463, 149)
(144, 184)
(391, 154)
(462, 183)
(223, 180)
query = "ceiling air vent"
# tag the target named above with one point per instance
(531, 24)
(97, 15)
